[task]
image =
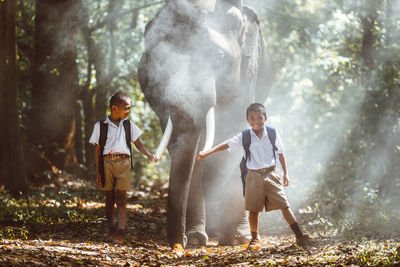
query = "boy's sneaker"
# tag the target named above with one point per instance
(305, 240)
(254, 244)
(119, 238)
(111, 234)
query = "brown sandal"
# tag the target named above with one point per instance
(305, 240)
(119, 238)
(254, 244)
(111, 234)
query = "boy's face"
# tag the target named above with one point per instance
(256, 119)
(121, 111)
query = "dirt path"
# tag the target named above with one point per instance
(82, 243)
(66, 229)
(275, 251)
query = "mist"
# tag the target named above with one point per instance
(321, 114)
(317, 102)
(321, 102)
(331, 89)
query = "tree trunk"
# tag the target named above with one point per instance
(351, 152)
(88, 110)
(369, 153)
(78, 134)
(12, 163)
(104, 73)
(52, 118)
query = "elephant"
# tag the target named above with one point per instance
(204, 62)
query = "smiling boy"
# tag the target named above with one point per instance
(263, 186)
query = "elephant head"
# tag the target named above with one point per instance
(204, 61)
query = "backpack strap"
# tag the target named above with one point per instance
(272, 138)
(102, 143)
(103, 134)
(127, 128)
(246, 140)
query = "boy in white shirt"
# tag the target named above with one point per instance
(112, 160)
(263, 185)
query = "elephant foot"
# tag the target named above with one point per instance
(196, 239)
(173, 245)
(234, 240)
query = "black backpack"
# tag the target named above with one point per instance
(102, 143)
(246, 140)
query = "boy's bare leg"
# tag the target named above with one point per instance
(253, 221)
(120, 199)
(301, 239)
(121, 207)
(110, 201)
(255, 241)
(289, 216)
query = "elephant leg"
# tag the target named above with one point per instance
(234, 227)
(182, 162)
(226, 217)
(195, 214)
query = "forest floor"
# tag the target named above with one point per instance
(63, 224)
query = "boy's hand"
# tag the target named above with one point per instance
(98, 179)
(153, 157)
(201, 155)
(286, 180)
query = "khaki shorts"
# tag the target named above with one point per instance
(264, 190)
(117, 174)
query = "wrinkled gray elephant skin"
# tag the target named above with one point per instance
(199, 55)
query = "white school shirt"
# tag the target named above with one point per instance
(261, 153)
(116, 142)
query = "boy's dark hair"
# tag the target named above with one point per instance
(118, 98)
(256, 107)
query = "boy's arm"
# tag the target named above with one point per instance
(282, 160)
(218, 148)
(97, 152)
(140, 146)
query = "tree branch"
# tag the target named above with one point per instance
(119, 15)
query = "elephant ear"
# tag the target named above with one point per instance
(257, 66)
(142, 72)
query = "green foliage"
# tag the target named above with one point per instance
(24, 33)
(119, 44)
(336, 106)
(336, 103)
(128, 45)
(23, 215)
(14, 233)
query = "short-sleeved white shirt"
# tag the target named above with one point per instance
(115, 143)
(261, 153)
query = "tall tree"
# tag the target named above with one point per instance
(102, 43)
(367, 159)
(52, 118)
(104, 72)
(12, 164)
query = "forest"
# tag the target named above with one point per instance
(335, 99)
